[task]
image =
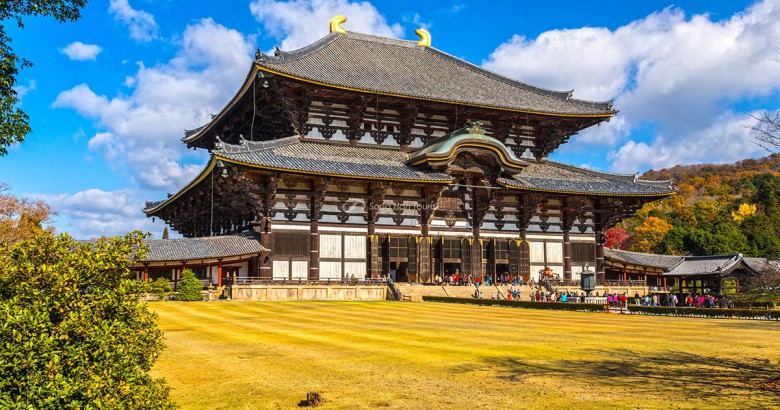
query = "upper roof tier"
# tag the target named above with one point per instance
(371, 64)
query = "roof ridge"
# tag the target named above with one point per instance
(200, 238)
(283, 56)
(709, 257)
(561, 95)
(622, 177)
(252, 146)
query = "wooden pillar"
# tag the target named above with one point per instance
(566, 255)
(665, 288)
(146, 272)
(219, 273)
(737, 283)
(476, 252)
(319, 189)
(372, 242)
(600, 274)
(625, 277)
(314, 249)
(266, 261)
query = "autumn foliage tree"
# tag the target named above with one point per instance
(617, 238)
(21, 218)
(719, 209)
(650, 233)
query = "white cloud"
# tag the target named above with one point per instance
(80, 51)
(726, 140)
(94, 212)
(141, 131)
(301, 22)
(673, 73)
(141, 24)
(23, 90)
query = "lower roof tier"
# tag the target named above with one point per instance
(304, 157)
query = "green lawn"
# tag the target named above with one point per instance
(430, 355)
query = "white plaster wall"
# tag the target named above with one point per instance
(300, 269)
(554, 252)
(536, 253)
(330, 270)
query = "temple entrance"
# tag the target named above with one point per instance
(401, 272)
(450, 268)
(502, 269)
(228, 272)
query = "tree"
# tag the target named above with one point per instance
(650, 233)
(21, 218)
(745, 210)
(73, 331)
(14, 123)
(165, 234)
(617, 238)
(160, 287)
(673, 242)
(766, 131)
(764, 288)
(189, 287)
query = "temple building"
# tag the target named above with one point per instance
(366, 156)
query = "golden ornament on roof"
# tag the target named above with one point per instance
(335, 24)
(425, 37)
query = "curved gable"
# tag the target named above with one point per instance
(442, 151)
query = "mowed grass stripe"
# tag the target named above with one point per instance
(328, 334)
(415, 355)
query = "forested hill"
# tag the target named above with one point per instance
(719, 209)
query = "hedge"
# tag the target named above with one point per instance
(755, 305)
(707, 312)
(589, 307)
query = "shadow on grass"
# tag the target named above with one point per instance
(665, 374)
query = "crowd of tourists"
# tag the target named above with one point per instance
(687, 300)
(458, 279)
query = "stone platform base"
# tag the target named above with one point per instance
(415, 292)
(304, 292)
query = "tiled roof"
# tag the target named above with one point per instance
(550, 176)
(642, 259)
(763, 264)
(328, 159)
(398, 67)
(706, 265)
(225, 246)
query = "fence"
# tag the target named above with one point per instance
(620, 282)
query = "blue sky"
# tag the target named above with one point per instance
(109, 95)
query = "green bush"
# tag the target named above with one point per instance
(588, 307)
(707, 312)
(189, 287)
(160, 287)
(758, 304)
(73, 331)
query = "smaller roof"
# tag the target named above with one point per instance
(642, 259)
(708, 265)
(211, 247)
(551, 176)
